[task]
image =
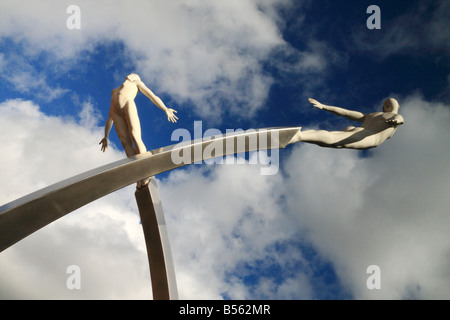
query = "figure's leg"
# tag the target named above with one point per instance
(134, 126)
(350, 128)
(124, 135)
(322, 138)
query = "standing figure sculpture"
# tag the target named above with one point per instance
(123, 113)
(375, 129)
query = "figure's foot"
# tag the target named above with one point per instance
(296, 137)
(145, 182)
(142, 183)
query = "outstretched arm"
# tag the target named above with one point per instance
(108, 126)
(157, 101)
(349, 114)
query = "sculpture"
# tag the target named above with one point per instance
(123, 113)
(376, 127)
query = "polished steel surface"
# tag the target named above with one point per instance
(28, 214)
(162, 271)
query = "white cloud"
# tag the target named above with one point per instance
(104, 238)
(89, 116)
(25, 79)
(220, 219)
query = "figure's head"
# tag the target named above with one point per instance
(133, 77)
(391, 105)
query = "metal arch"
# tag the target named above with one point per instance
(22, 217)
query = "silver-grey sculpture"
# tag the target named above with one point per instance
(376, 127)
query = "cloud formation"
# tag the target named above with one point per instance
(182, 48)
(209, 55)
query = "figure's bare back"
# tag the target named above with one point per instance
(376, 123)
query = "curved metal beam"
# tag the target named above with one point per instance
(21, 217)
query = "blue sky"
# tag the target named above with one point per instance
(308, 232)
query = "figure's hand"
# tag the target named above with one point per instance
(395, 121)
(391, 122)
(104, 144)
(171, 115)
(316, 103)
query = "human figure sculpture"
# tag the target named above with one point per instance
(375, 129)
(123, 113)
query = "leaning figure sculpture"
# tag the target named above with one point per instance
(376, 128)
(123, 113)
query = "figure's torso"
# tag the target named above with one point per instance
(122, 95)
(128, 90)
